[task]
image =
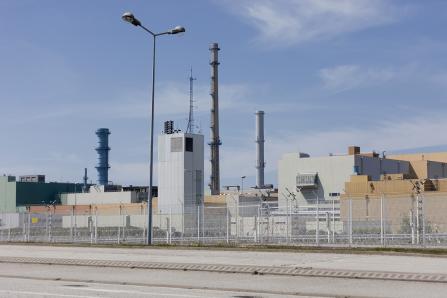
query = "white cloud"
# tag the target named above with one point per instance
(345, 77)
(288, 22)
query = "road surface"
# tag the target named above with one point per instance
(28, 273)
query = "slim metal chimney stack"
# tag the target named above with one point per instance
(260, 164)
(103, 156)
(215, 139)
(84, 187)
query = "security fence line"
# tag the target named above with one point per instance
(354, 222)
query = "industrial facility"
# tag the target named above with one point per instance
(331, 195)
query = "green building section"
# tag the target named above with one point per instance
(14, 195)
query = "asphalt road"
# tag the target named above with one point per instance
(39, 280)
(389, 263)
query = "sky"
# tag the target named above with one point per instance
(328, 74)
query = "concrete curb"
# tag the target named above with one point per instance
(245, 269)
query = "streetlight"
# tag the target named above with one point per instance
(242, 184)
(130, 18)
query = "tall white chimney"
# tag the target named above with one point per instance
(260, 164)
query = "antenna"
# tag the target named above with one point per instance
(190, 127)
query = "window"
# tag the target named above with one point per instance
(176, 144)
(188, 144)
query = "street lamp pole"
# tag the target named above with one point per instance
(130, 18)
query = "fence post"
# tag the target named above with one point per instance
(228, 225)
(50, 227)
(119, 225)
(96, 224)
(258, 225)
(29, 226)
(381, 221)
(317, 224)
(24, 227)
(288, 221)
(75, 228)
(9, 228)
(170, 225)
(145, 210)
(47, 228)
(418, 224)
(350, 222)
(237, 220)
(124, 221)
(90, 226)
(167, 229)
(412, 226)
(423, 219)
(333, 220)
(198, 223)
(71, 224)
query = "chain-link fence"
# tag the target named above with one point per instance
(380, 221)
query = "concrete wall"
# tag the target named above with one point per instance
(119, 197)
(7, 194)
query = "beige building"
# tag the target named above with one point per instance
(397, 201)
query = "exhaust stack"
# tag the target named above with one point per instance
(215, 139)
(260, 164)
(103, 156)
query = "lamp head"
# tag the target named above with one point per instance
(178, 29)
(130, 18)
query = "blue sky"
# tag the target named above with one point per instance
(328, 74)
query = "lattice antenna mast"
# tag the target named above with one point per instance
(191, 125)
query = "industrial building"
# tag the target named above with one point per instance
(304, 179)
(393, 203)
(15, 194)
(180, 173)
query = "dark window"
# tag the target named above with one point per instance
(188, 145)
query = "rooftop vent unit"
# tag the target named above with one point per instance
(307, 181)
(169, 127)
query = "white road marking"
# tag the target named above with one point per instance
(44, 294)
(135, 292)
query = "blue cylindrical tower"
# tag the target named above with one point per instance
(103, 155)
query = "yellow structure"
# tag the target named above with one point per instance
(397, 201)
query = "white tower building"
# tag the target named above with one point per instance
(180, 177)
